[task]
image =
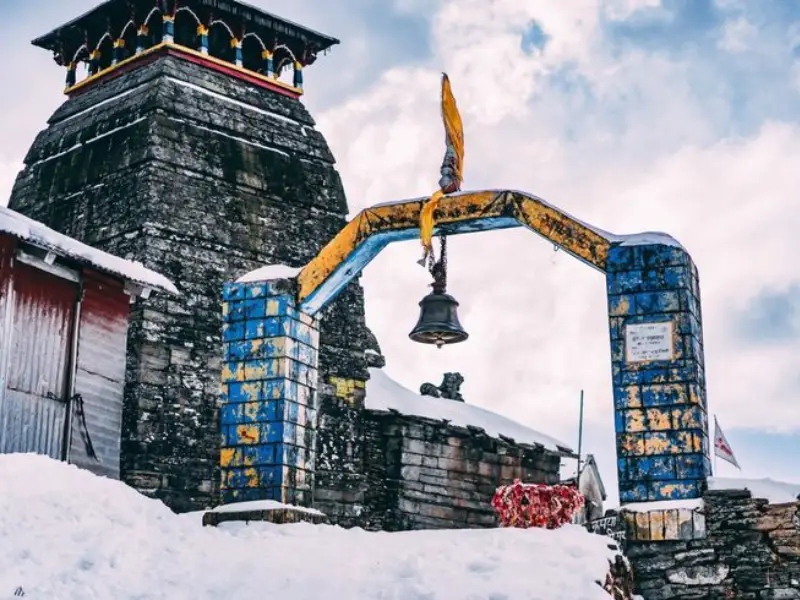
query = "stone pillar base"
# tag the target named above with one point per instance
(280, 516)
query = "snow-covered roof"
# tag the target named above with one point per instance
(777, 492)
(70, 534)
(269, 272)
(384, 393)
(37, 234)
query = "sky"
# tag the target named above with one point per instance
(680, 116)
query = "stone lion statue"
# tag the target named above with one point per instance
(449, 388)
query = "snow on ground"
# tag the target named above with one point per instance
(36, 233)
(384, 393)
(777, 492)
(66, 534)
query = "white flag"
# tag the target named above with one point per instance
(721, 446)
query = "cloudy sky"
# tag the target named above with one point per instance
(634, 115)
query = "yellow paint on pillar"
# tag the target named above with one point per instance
(685, 442)
(226, 457)
(632, 444)
(694, 394)
(634, 420)
(251, 477)
(658, 420)
(657, 443)
(247, 434)
(252, 391)
(620, 307)
(634, 397)
(233, 373)
(225, 309)
(685, 418)
(273, 307)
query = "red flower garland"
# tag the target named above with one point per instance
(527, 505)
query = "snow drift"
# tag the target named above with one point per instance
(66, 534)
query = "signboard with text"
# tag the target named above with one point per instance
(649, 341)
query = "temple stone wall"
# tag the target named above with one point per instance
(749, 549)
(408, 472)
(201, 177)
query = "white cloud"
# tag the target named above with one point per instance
(539, 330)
(738, 35)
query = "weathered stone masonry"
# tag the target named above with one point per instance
(202, 177)
(749, 549)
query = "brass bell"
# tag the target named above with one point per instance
(438, 321)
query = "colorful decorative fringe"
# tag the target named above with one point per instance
(527, 505)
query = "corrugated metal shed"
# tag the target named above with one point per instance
(64, 315)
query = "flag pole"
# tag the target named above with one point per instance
(714, 473)
(580, 443)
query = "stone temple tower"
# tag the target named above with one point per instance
(186, 147)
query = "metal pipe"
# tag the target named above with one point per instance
(72, 370)
(5, 350)
(580, 442)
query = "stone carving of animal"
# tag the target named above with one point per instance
(449, 388)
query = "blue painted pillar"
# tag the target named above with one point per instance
(658, 373)
(269, 66)
(141, 38)
(269, 380)
(298, 75)
(94, 61)
(237, 46)
(71, 74)
(119, 51)
(169, 29)
(202, 32)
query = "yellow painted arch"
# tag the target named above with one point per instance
(375, 227)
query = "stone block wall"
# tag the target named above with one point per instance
(750, 551)
(427, 474)
(658, 373)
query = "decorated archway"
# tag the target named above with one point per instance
(271, 340)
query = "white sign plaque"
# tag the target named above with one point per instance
(649, 341)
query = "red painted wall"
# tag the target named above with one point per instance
(100, 376)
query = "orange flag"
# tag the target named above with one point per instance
(452, 164)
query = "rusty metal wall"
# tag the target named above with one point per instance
(100, 375)
(7, 245)
(38, 343)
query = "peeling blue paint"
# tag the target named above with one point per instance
(659, 457)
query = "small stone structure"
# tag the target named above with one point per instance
(733, 546)
(429, 474)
